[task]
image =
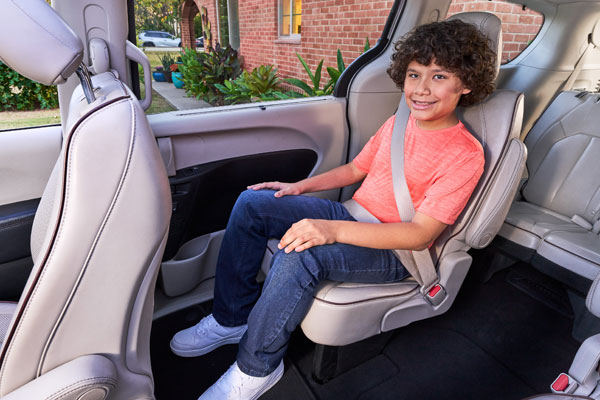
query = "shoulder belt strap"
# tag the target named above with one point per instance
(418, 263)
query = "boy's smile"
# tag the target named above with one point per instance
(432, 94)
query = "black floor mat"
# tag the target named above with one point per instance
(542, 288)
(498, 341)
(187, 378)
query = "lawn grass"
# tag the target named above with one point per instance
(24, 119)
(159, 104)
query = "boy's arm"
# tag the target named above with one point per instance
(344, 175)
(414, 235)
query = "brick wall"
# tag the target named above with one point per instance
(327, 25)
(188, 13)
(518, 27)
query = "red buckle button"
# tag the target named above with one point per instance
(561, 383)
(434, 290)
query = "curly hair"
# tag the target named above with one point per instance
(454, 45)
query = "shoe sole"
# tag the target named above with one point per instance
(272, 381)
(204, 350)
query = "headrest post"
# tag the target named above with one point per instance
(86, 83)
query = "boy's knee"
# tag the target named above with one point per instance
(256, 198)
(250, 195)
(295, 265)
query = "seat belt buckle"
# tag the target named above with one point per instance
(564, 384)
(436, 295)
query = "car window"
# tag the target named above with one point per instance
(520, 25)
(25, 103)
(281, 54)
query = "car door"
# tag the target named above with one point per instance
(27, 157)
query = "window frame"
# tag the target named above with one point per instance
(280, 34)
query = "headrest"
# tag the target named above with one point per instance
(592, 301)
(36, 42)
(490, 25)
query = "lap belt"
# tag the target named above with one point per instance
(418, 263)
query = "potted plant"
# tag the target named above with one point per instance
(159, 75)
(166, 60)
(176, 76)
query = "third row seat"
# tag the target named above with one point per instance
(557, 216)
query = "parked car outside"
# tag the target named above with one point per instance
(200, 41)
(159, 39)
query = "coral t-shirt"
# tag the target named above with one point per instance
(442, 168)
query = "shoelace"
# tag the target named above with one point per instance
(204, 325)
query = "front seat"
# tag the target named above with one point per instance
(82, 325)
(343, 313)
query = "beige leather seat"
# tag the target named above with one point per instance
(557, 215)
(582, 379)
(343, 313)
(81, 328)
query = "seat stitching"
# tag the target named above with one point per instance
(93, 381)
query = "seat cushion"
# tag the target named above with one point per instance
(352, 293)
(526, 224)
(578, 252)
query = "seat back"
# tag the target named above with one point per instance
(100, 228)
(563, 159)
(355, 311)
(496, 123)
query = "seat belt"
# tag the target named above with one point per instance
(418, 263)
(578, 65)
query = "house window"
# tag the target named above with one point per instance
(290, 19)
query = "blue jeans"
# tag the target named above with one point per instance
(288, 290)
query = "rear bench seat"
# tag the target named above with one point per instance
(557, 217)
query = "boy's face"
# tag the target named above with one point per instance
(432, 94)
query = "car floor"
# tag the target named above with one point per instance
(507, 338)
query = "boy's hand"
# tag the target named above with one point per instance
(283, 188)
(307, 233)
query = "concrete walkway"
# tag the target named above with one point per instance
(176, 97)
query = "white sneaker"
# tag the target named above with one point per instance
(236, 385)
(204, 337)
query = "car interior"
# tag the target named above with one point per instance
(111, 223)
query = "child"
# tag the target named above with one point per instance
(438, 66)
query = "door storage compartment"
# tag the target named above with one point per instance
(194, 262)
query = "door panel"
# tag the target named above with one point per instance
(27, 157)
(206, 135)
(204, 195)
(214, 154)
(16, 221)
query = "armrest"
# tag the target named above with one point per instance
(90, 375)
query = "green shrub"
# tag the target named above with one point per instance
(166, 60)
(315, 78)
(20, 93)
(191, 70)
(262, 84)
(202, 71)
